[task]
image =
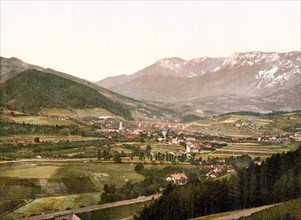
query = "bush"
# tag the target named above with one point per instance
(139, 168)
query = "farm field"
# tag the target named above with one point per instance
(262, 150)
(33, 171)
(162, 148)
(85, 112)
(157, 147)
(120, 212)
(42, 186)
(37, 120)
(58, 185)
(248, 125)
(60, 203)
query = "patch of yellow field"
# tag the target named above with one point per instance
(38, 120)
(231, 119)
(57, 112)
(248, 144)
(30, 172)
(92, 112)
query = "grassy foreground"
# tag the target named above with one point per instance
(120, 212)
(287, 210)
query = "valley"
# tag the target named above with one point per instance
(57, 161)
(67, 144)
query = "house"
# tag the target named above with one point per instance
(177, 178)
(218, 170)
(191, 147)
(138, 131)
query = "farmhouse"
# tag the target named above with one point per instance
(192, 147)
(177, 178)
(218, 170)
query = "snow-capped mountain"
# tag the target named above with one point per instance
(276, 69)
(166, 67)
(250, 74)
(191, 68)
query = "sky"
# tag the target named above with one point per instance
(97, 39)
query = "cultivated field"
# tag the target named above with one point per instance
(260, 149)
(37, 120)
(248, 125)
(36, 187)
(48, 204)
(120, 212)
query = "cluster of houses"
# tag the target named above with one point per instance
(215, 171)
(218, 170)
(192, 145)
(272, 138)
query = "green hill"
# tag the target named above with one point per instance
(32, 90)
(287, 210)
(12, 67)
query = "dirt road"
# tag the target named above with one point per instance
(92, 208)
(242, 213)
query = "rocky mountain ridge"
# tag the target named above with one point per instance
(254, 73)
(251, 76)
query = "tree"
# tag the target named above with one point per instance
(139, 167)
(106, 188)
(106, 154)
(117, 158)
(148, 148)
(141, 155)
(98, 154)
(36, 140)
(123, 154)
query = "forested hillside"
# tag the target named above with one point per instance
(32, 90)
(277, 179)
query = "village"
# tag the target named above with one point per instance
(194, 146)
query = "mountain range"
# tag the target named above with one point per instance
(251, 81)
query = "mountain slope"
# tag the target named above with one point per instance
(160, 81)
(252, 81)
(255, 73)
(11, 67)
(32, 90)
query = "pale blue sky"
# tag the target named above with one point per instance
(96, 39)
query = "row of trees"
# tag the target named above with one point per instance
(146, 154)
(277, 179)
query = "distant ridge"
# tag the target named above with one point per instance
(250, 81)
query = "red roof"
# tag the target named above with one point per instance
(179, 176)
